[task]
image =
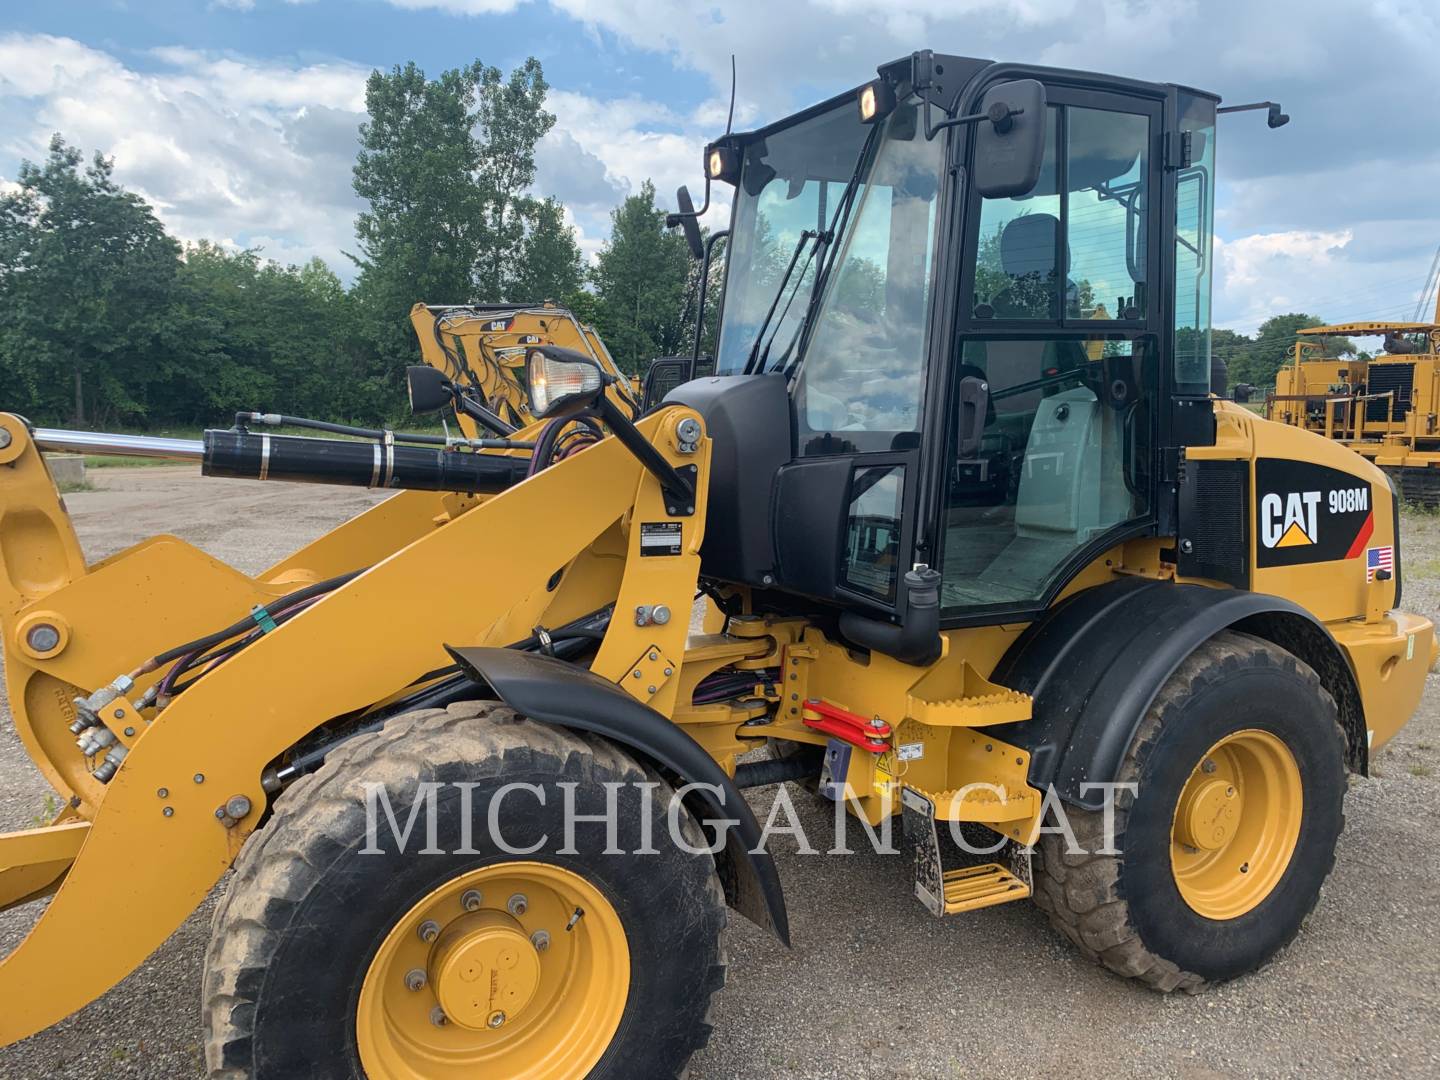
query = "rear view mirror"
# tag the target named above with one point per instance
(688, 225)
(430, 390)
(1010, 142)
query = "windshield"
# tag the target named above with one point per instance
(858, 384)
(790, 181)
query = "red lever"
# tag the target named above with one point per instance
(868, 734)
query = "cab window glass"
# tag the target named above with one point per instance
(872, 531)
(1106, 173)
(1073, 247)
(859, 386)
(1194, 205)
(1062, 459)
(1015, 264)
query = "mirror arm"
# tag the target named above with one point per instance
(672, 220)
(1002, 123)
(677, 488)
(481, 415)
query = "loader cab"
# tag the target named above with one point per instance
(987, 384)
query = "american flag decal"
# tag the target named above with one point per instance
(1379, 558)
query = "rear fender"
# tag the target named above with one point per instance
(554, 692)
(1094, 664)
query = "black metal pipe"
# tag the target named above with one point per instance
(704, 285)
(361, 464)
(675, 485)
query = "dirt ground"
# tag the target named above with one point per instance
(875, 987)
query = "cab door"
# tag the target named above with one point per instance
(1053, 382)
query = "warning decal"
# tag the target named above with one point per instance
(1306, 513)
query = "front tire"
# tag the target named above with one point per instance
(323, 961)
(1219, 854)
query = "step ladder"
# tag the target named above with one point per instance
(968, 888)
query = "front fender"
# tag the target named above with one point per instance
(554, 692)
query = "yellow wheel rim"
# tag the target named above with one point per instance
(517, 969)
(1236, 824)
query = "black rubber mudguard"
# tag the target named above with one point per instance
(555, 692)
(1094, 663)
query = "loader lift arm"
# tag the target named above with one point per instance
(214, 741)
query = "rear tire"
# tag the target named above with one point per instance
(299, 943)
(1139, 911)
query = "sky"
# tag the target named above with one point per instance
(238, 119)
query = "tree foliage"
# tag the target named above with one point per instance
(87, 274)
(445, 167)
(640, 280)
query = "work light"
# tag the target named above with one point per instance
(722, 163)
(876, 101)
(560, 377)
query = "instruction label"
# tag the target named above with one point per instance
(660, 538)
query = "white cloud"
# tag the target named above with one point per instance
(222, 146)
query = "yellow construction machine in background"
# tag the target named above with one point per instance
(1386, 408)
(482, 347)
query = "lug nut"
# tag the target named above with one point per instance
(1208, 766)
(237, 806)
(414, 980)
(541, 940)
(517, 905)
(471, 900)
(429, 931)
(496, 1019)
(437, 1016)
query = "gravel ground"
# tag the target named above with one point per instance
(883, 989)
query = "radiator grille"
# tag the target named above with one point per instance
(1213, 521)
(1384, 378)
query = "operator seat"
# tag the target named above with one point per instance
(1027, 256)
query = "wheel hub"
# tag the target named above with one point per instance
(484, 970)
(468, 983)
(1208, 815)
(1236, 824)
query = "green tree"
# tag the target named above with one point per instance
(87, 276)
(444, 167)
(1258, 361)
(549, 267)
(640, 279)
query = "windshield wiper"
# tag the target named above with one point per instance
(821, 239)
(838, 222)
(750, 368)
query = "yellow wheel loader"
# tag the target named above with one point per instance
(967, 524)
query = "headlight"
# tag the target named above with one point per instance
(560, 377)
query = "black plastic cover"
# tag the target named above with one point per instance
(748, 417)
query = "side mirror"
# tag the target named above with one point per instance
(1010, 141)
(561, 381)
(688, 225)
(430, 390)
